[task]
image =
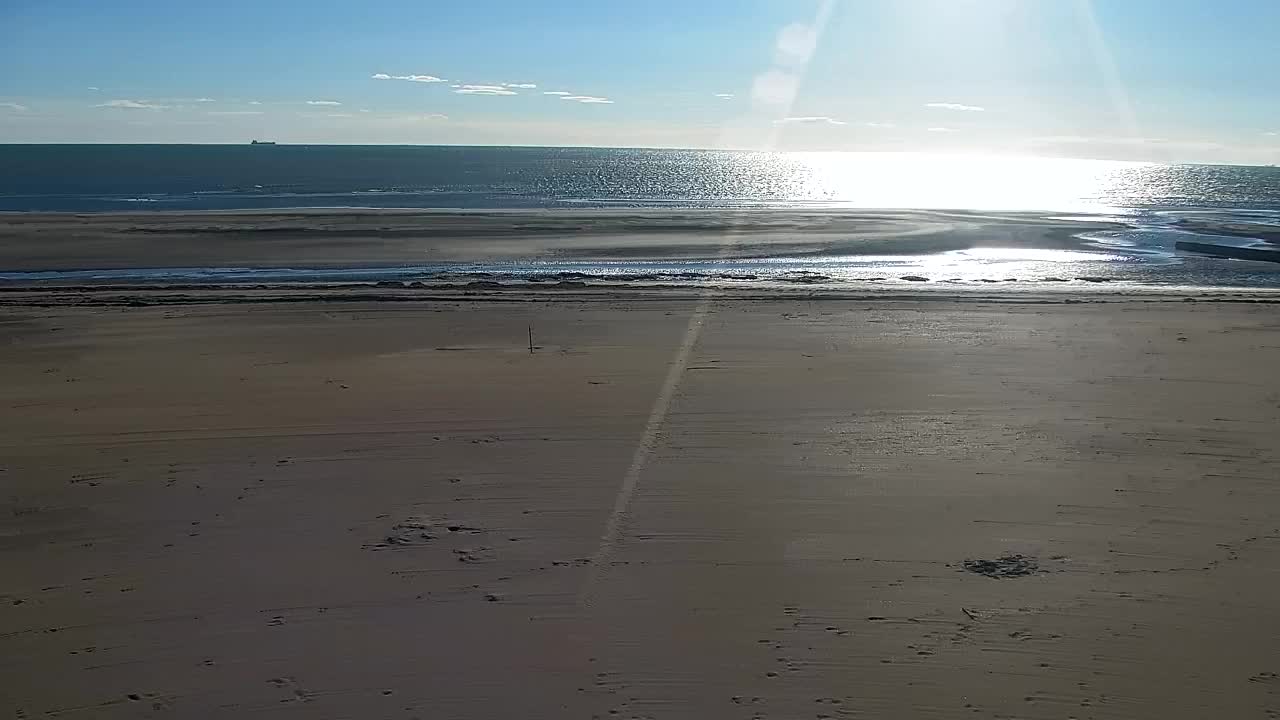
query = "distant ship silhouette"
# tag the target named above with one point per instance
(263, 142)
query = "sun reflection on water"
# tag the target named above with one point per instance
(911, 180)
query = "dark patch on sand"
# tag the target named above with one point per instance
(418, 532)
(1005, 566)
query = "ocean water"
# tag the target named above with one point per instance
(1150, 198)
(98, 178)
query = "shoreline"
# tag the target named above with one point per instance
(827, 250)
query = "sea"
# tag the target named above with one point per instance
(1153, 200)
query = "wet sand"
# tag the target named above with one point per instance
(328, 238)
(671, 509)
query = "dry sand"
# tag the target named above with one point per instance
(669, 510)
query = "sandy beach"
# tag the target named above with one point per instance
(639, 361)
(670, 509)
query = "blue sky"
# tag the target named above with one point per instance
(1182, 80)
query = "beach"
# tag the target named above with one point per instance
(630, 361)
(698, 505)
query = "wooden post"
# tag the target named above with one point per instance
(530, 339)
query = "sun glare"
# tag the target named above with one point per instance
(906, 180)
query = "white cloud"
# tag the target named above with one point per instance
(521, 86)
(203, 100)
(810, 120)
(254, 102)
(339, 115)
(941, 130)
(410, 78)
(878, 125)
(725, 96)
(482, 90)
(234, 112)
(131, 105)
(364, 110)
(588, 99)
(557, 92)
(327, 103)
(954, 106)
(435, 116)
(1271, 134)
(14, 106)
(95, 89)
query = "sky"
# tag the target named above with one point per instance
(1162, 80)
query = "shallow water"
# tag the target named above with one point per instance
(985, 268)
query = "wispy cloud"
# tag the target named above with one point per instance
(954, 106)
(941, 130)
(407, 120)
(1271, 134)
(810, 120)
(95, 89)
(339, 115)
(878, 125)
(14, 106)
(1158, 143)
(204, 100)
(482, 90)
(1071, 139)
(234, 112)
(254, 102)
(410, 78)
(725, 96)
(587, 99)
(326, 103)
(584, 99)
(131, 105)
(521, 86)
